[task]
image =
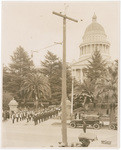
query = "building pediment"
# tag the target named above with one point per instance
(81, 62)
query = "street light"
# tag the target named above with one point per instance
(72, 95)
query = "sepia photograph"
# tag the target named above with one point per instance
(60, 74)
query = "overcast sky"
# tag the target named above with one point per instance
(33, 26)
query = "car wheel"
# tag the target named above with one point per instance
(112, 126)
(96, 126)
(73, 125)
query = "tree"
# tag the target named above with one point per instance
(52, 68)
(84, 92)
(21, 62)
(21, 65)
(36, 86)
(7, 97)
(96, 68)
(6, 78)
(94, 71)
(109, 88)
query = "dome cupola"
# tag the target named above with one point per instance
(94, 18)
(94, 32)
(94, 38)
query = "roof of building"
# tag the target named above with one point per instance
(94, 26)
(13, 102)
(94, 29)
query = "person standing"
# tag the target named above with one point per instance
(75, 116)
(20, 116)
(27, 117)
(84, 126)
(13, 117)
(17, 116)
(34, 119)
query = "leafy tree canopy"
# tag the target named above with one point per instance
(20, 66)
(96, 68)
(52, 68)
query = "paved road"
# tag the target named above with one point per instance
(27, 135)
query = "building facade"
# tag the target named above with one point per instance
(94, 38)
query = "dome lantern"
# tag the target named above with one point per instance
(94, 18)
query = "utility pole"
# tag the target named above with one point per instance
(64, 94)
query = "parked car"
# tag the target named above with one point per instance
(105, 119)
(106, 122)
(91, 120)
(113, 126)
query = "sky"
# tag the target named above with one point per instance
(33, 26)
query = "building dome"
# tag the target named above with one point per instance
(13, 102)
(94, 32)
(94, 27)
(94, 38)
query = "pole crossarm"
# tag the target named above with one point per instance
(64, 16)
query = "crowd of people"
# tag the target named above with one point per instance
(35, 116)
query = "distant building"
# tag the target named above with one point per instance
(94, 37)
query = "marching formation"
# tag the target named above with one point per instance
(37, 117)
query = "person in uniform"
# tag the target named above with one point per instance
(35, 118)
(27, 117)
(13, 117)
(20, 116)
(17, 116)
(84, 126)
(42, 114)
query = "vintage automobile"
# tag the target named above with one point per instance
(105, 119)
(113, 126)
(106, 122)
(90, 120)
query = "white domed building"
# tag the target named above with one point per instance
(94, 38)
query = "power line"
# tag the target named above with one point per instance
(36, 51)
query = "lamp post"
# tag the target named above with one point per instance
(72, 96)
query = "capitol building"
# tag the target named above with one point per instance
(94, 38)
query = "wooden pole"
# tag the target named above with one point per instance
(64, 95)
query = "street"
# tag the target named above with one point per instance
(48, 134)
